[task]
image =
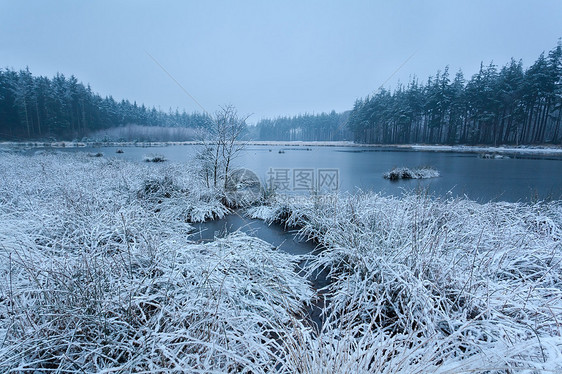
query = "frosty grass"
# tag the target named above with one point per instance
(99, 273)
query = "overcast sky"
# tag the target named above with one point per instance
(268, 58)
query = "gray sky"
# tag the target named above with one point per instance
(268, 58)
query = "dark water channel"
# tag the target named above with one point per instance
(284, 240)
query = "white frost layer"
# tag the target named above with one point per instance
(431, 285)
(98, 274)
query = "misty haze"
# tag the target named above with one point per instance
(263, 187)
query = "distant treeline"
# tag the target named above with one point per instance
(308, 127)
(63, 108)
(511, 105)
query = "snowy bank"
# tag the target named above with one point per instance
(524, 149)
(529, 150)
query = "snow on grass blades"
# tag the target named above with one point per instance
(406, 173)
(436, 285)
(98, 276)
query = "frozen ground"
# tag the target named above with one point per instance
(98, 273)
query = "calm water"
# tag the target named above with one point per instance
(520, 178)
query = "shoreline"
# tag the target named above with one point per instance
(523, 149)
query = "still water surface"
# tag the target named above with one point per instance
(519, 178)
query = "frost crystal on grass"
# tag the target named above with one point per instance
(406, 173)
(98, 273)
(432, 285)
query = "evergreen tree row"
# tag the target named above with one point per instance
(306, 127)
(511, 105)
(63, 108)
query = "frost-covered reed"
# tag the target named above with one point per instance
(407, 173)
(420, 284)
(98, 274)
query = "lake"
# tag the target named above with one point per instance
(518, 178)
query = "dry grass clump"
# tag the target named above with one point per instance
(154, 158)
(441, 285)
(407, 173)
(97, 275)
(192, 204)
